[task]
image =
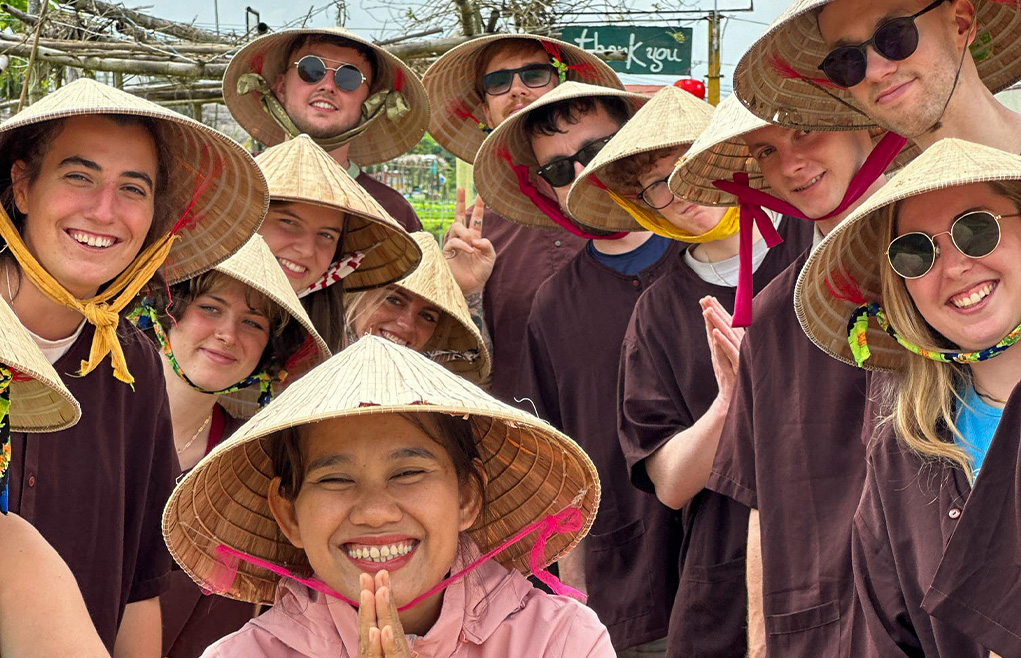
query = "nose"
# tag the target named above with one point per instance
(519, 88)
(406, 318)
(792, 160)
(103, 208)
(226, 332)
(877, 67)
(578, 168)
(304, 244)
(374, 508)
(951, 260)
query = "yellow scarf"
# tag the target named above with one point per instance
(657, 224)
(99, 311)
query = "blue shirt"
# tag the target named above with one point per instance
(977, 421)
(636, 260)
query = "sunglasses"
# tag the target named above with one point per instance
(895, 40)
(500, 82)
(657, 194)
(975, 234)
(312, 69)
(560, 173)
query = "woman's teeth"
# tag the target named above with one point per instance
(380, 553)
(392, 338)
(966, 301)
(292, 266)
(92, 240)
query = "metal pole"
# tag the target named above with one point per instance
(714, 57)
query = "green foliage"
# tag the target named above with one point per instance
(436, 216)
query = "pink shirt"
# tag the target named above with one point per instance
(492, 613)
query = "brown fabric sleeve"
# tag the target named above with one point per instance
(537, 378)
(733, 472)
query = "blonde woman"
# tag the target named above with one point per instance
(936, 534)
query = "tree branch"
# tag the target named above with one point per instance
(179, 30)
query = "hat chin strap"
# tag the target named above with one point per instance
(6, 377)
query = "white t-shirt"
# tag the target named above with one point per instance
(54, 349)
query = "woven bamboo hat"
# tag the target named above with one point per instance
(778, 77)
(533, 470)
(39, 400)
(229, 190)
(299, 171)
(720, 152)
(678, 117)
(255, 266)
(496, 181)
(453, 85)
(383, 140)
(851, 253)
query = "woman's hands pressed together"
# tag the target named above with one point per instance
(380, 634)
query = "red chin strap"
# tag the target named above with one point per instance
(753, 201)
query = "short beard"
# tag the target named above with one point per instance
(927, 117)
(327, 133)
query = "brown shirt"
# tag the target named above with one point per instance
(392, 201)
(525, 257)
(96, 491)
(791, 448)
(666, 383)
(193, 620)
(936, 564)
(569, 368)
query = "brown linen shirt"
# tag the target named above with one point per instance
(392, 201)
(937, 565)
(96, 491)
(791, 448)
(666, 383)
(569, 370)
(193, 620)
(525, 257)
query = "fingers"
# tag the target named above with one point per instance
(485, 248)
(454, 246)
(727, 349)
(394, 644)
(366, 617)
(459, 207)
(478, 212)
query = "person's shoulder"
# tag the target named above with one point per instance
(778, 295)
(570, 627)
(561, 281)
(251, 641)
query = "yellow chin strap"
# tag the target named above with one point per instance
(99, 311)
(655, 222)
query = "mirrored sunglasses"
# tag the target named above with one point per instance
(975, 234)
(312, 69)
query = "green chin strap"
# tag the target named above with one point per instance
(388, 103)
(857, 338)
(6, 377)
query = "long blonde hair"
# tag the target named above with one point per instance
(925, 396)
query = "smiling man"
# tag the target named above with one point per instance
(925, 70)
(356, 100)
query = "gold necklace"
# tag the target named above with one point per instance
(194, 436)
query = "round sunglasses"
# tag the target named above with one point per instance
(500, 82)
(312, 69)
(560, 172)
(895, 40)
(975, 234)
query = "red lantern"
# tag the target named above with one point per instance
(694, 87)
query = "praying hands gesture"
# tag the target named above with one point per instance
(470, 256)
(380, 634)
(724, 345)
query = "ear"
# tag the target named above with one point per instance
(284, 513)
(472, 496)
(964, 21)
(19, 184)
(278, 87)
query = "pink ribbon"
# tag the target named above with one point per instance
(569, 519)
(752, 202)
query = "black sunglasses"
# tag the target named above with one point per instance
(895, 40)
(312, 69)
(500, 82)
(561, 172)
(975, 234)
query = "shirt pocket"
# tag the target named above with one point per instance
(710, 615)
(813, 632)
(617, 573)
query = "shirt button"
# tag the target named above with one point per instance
(954, 513)
(636, 283)
(557, 243)
(31, 480)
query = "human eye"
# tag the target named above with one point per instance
(256, 325)
(764, 152)
(409, 475)
(136, 190)
(209, 308)
(395, 300)
(329, 236)
(430, 317)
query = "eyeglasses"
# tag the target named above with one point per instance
(975, 234)
(657, 194)
(561, 172)
(312, 69)
(895, 40)
(500, 82)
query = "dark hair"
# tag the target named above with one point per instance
(286, 336)
(316, 39)
(546, 120)
(455, 433)
(624, 173)
(497, 48)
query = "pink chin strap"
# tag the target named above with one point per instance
(753, 201)
(569, 519)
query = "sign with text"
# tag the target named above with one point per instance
(647, 50)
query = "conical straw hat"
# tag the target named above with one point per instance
(453, 89)
(382, 141)
(433, 281)
(255, 266)
(793, 45)
(496, 181)
(41, 403)
(299, 170)
(231, 190)
(852, 252)
(720, 152)
(672, 118)
(533, 470)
